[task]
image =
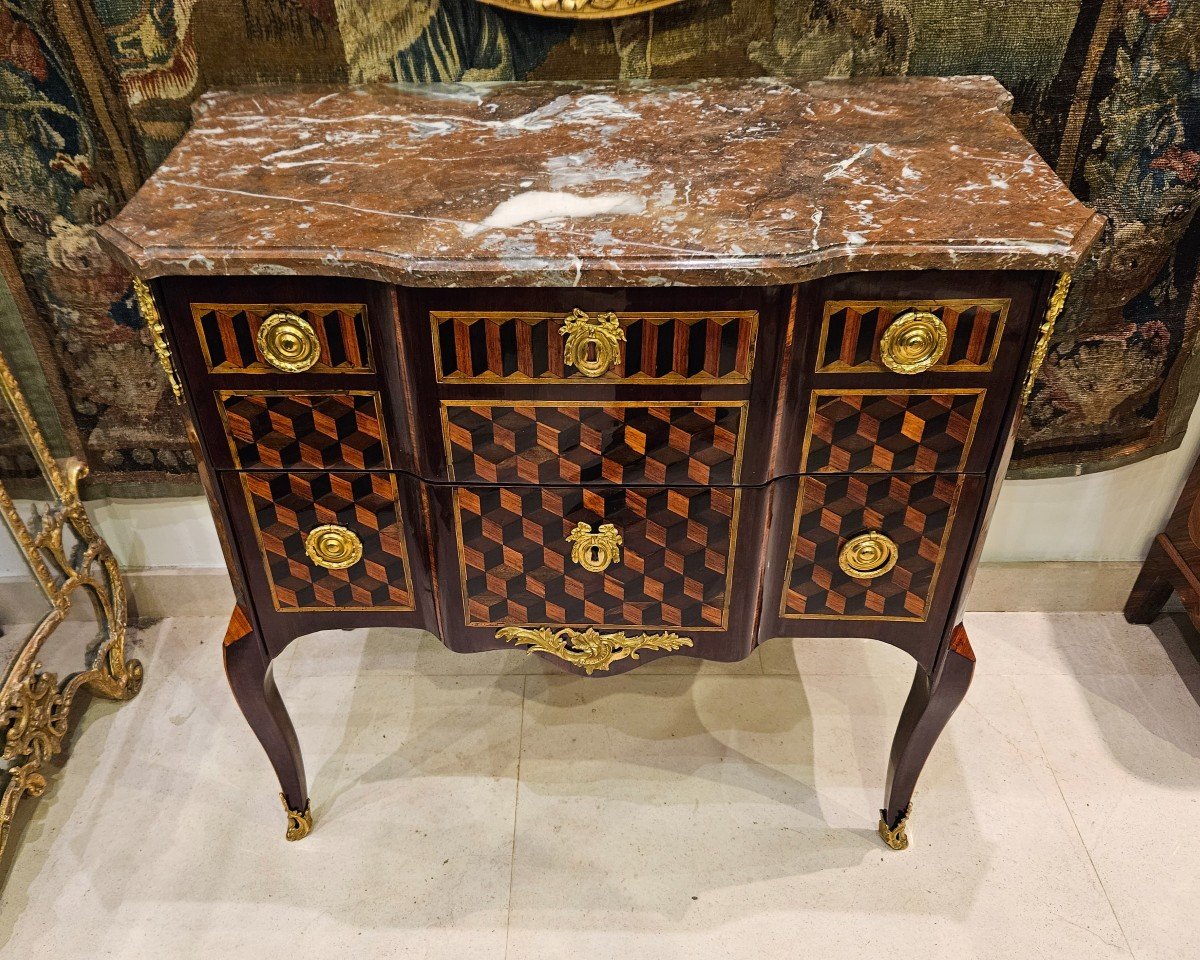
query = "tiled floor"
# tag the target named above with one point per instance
(485, 807)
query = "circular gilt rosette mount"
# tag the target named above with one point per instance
(333, 547)
(288, 342)
(868, 555)
(913, 342)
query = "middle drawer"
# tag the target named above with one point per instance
(666, 442)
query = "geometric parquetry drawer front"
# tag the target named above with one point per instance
(851, 332)
(676, 556)
(285, 507)
(324, 431)
(667, 443)
(890, 430)
(915, 511)
(229, 335)
(686, 347)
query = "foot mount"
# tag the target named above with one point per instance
(895, 837)
(299, 825)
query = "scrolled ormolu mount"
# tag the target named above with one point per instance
(590, 649)
(299, 822)
(149, 312)
(896, 836)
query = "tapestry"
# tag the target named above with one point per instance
(96, 92)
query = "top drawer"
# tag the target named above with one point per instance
(578, 347)
(911, 336)
(283, 338)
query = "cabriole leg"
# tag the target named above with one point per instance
(249, 673)
(931, 702)
(1153, 586)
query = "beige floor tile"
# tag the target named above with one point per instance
(839, 656)
(1126, 753)
(164, 838)
(686, 809)
(664, 817)
(1076, 644)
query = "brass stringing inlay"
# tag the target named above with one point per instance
(595, 552)
(868, 555)
(589, 648)
(1054, 309)
(288, 342)
(913, 342)
(592, 344)
(333, 547)
(149, 312)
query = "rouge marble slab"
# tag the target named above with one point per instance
(728, 182)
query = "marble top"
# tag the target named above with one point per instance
(721, 182)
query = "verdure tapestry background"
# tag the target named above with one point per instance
(96, 92)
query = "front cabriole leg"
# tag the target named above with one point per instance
(931, 702)
(249, 671)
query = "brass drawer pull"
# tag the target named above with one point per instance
(913, 342)
(288, 342)
(868, 555)
(595, 552)
(593, 344)
(333, 547)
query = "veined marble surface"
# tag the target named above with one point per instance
(723, 182)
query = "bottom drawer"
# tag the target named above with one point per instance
(874, 546)
(647, 557)
(326, 541)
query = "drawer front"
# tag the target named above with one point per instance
(883, 336)
(619, 443)
(695, 347)
(330, 541)
(523, 560)
(892, 531)
(318, 337)
(891, 431)
(323, 431)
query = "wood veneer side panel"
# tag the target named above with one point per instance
(1042, 285)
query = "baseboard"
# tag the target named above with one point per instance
(1005, 587)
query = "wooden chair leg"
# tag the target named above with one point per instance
(1153, 586)
(249, 671)
(931, 702)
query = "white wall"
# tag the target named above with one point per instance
(1102, 516)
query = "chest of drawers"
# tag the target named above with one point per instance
(605, 373)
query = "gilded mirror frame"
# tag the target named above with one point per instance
(581, 9)
(67, 557)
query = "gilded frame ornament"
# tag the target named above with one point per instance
(35, 705)
(581, 9)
